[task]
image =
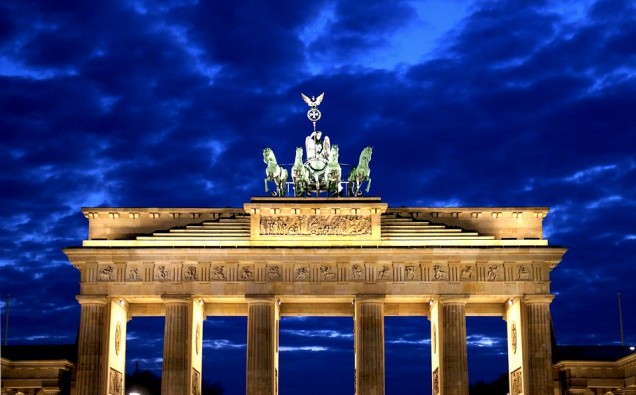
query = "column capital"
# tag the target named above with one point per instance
(185, 299)
(262, 299)
(370, 299)
(534, 299)
(92, 299)
(451, 299)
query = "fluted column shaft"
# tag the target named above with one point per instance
(455, 355)
(262, 347)
(538, 330)
(369, 347)
(176, 352)
(449, 351)
(90, 347)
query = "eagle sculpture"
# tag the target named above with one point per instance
(313, 102)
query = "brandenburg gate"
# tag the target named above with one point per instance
(338, 255)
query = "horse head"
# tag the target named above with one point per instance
(299, 154)
(268, 156)
(365, 155)
(334, 154)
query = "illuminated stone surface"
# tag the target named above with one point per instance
(324, 257)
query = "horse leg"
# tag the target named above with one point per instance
(266, 188)
(368, 184)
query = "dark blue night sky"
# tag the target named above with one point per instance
(467, 103)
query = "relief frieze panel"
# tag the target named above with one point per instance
(412, 273)
(218, 273)
(384, 273)
(115, 382)
(301, 273)
(163, 272)
(467, 273)
(106, 273)
(494, 273)
(516, 382)
(327, 273)
(315, 225)
(337, 271)
(190, 273)
(357, 272)
(246, 273)
(134, 273)
(440, 273)
(524, 273)
(274, 273)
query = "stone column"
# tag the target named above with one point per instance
(182, 341)
(369, 346)
(101, 364)
(530, 345)
(114, 357)
(90, 345)
(448, 346)
(262, 346)
(539, 327)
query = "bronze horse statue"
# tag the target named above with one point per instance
(360, 173)
(275, 173)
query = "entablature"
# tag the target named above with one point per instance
(321, 222)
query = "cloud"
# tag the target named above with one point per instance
(303, 348)
(220, 344)
(324, 333)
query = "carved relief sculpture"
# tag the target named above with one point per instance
(117, 338)
(115, 383)
(410, 273)
(197, 339)
(246, 273)
(327, 274)
(436, 382)
(196, 379)
(302, 273)
(133, 274)
(434, 339)
(385, 273)
(358, 273)
(162, 273)
(440, 273)
(315, 225)
(273, 273)
(190, 273)
(516, 382)
(523, 273)
(493, 273)
(467, 273)
(218, 273)
(106, 274)
(513, 337)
